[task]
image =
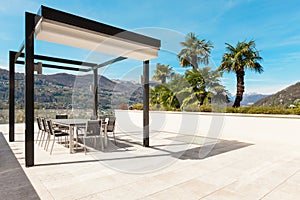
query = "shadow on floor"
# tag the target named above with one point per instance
(209, 150)
(197, 148)
(119, 146)
(207, 147)
(14, 183)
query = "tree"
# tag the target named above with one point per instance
(237, 59)
(194, 51)
(206, 85)
(162, 72)
(178, 82)
(162, 95)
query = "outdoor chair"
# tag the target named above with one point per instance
(111, 121)
(41, 130)
(47, 131)
(55, 134)
(93, 129)
(44, 132)
(61, 116)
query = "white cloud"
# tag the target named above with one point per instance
(295, 40)
(4, 67)
(256, 80)
(270, 89)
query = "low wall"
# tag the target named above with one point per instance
(279, 129)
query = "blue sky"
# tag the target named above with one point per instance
(274, 25)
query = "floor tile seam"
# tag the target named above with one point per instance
(279, 185)
(95, 193)
(40, 182)
(175, 185)
(138, 181)
(221, 188)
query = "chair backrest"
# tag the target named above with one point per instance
(61, 116)
(49, 123)
(45, 128)
(92, 128)
(38, 120)
(111, 124)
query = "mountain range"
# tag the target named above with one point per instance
(248, 99)
(64, 90)
(286, 97)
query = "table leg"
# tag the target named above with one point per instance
(105, 135)
(72, 139)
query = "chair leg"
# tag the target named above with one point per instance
(52, 145)
(42, 134)
(37, 137)
(43, 139)
(84, 145)
(114, 137)
(49, 137)
(47, 141)
(101, 141)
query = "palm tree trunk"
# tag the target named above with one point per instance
(163, 79)
(194, 62)
(240, 88)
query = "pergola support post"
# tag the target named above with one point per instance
(146, 103)
(12, 96)
(95, 93)
(29, 89)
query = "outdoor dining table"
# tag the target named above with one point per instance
(73, 125)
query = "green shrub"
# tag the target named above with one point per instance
(138, 106)
(192, 108)
(205, 108)
(20, 116)
(264, 110)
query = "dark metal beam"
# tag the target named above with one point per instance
(57, 67)
(12, 56)
(146, 103)
(72, 62)
(61, 60)
(29, 89)
(20, 52)
(109, 62)
(64, 68)
(95, 93)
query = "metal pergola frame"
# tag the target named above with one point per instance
(31, 21)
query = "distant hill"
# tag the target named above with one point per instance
(285, 97)
(60, 90)
(248, 99)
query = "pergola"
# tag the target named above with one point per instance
(63, 28)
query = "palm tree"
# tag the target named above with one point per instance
(206, 84)
(237, 59)
(162, 72)
(162, 95)
(212, 83)
(194, 51)
(196, 80)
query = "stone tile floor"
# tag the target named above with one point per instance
(170, 169)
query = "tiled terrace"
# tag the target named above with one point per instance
(225, 169)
